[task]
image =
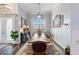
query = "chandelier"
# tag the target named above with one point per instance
(38, 14)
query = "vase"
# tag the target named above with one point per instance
(14, 42)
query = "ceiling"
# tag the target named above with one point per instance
(32, 8)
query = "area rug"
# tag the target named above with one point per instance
(50, 50)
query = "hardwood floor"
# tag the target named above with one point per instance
(9, 49)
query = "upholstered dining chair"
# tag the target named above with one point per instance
(39, 48)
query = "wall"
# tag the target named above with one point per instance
(46, 16)
(62, 35)
(22, 13)
(75, 28)
(16, 10)
(14, 7)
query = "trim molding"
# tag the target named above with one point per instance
(59, 45)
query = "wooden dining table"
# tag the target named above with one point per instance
(31, 41)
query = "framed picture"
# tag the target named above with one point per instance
(62, 19)
(22, 21)
(58, 21)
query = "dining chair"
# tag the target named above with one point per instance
(39, 48)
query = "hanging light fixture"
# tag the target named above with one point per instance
(38, 14)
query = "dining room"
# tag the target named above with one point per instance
(35, 29)
(49, 25)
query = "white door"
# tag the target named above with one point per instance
(0, 28)
(9, 27)
(6, 26)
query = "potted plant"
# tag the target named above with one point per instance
(67, 50)
(14, 35)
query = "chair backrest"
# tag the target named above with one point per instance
(39, 46)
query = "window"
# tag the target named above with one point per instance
(38, 23)
(0, 28)
(6, 26)
(9, 27)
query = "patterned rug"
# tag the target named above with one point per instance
(50, 50)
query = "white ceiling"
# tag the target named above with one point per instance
(32, 8)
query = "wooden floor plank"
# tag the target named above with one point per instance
(2, 45)
(10, 49)
(5, 49)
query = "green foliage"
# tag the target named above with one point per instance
(67, 48)
(14, 35)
